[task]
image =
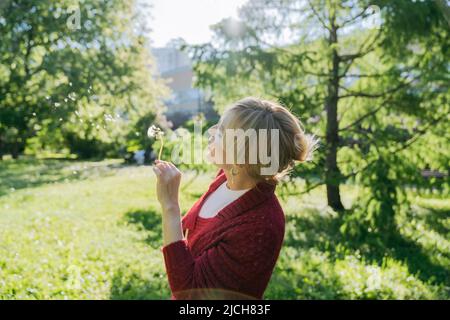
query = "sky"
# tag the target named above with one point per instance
(188, 19)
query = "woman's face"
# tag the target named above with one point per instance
(214, 135)
(216, 144)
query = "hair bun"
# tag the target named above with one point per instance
(306, 144)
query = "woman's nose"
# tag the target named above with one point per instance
(212, 130)
(214, 127)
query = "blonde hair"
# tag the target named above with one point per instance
(294, 143)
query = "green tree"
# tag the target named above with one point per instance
(370, 77)
(72, 72)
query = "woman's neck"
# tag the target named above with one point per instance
(239, 181)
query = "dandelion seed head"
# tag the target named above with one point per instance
(154, 132)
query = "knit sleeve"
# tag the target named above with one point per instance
(242, 259)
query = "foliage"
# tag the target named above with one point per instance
(68, 230)
(73, 73)
(377, 97)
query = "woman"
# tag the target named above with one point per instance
(227, 244)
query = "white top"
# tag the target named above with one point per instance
(219, 199)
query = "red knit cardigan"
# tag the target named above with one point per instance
(234, 253)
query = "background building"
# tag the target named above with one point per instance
(185, 101)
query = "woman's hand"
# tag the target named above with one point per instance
(168, 184)
(167, 188)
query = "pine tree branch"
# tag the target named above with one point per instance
(404, 146)
(359, 120)
(442, 4)
(363, 50)
(317, 15)
(353, 19)
(358, 94)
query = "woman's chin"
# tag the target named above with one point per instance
(210, 157)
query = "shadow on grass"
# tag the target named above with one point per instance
(31, 172)
(322, 233)
(150, 221)
(434, 220)
(310, 282)
(419, 261)
(131, 285)
(312, 230)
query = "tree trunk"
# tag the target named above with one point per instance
(15, 153)
(17, 148)
(332, 172)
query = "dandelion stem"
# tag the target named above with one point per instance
(160, 148)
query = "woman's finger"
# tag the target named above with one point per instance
(173, 166)
(157, 171)
(165, 169)
(166, 163)
(175, 169)
(161, 165)
(170, 164)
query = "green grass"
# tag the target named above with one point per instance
(91, 230)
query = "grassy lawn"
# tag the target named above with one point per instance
(91, 230)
